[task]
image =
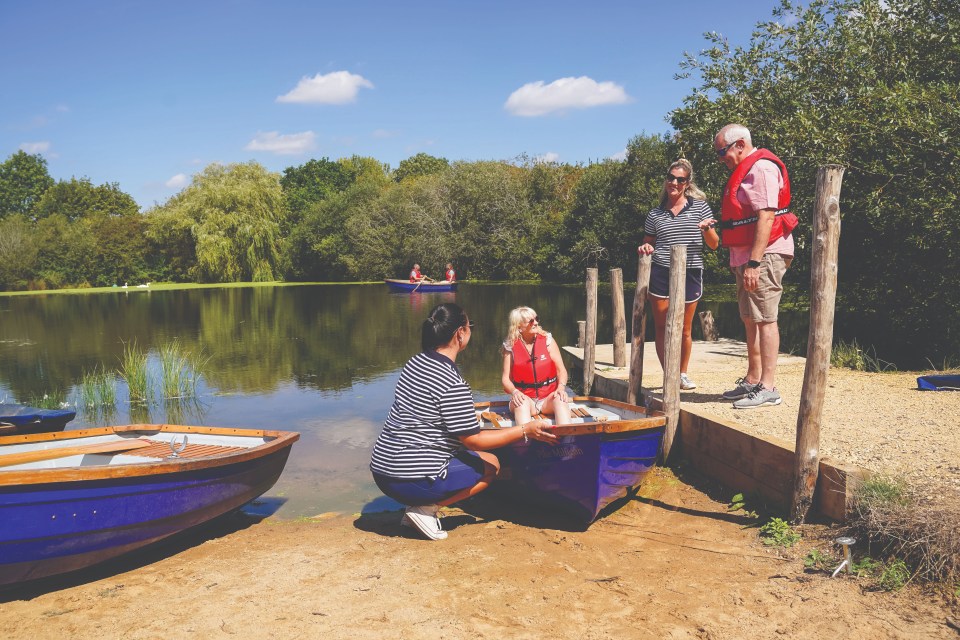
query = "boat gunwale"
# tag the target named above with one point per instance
(21, 477)
(655, 419)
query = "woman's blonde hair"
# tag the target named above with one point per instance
(518, 318)
(691, 190)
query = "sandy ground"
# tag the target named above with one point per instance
(672, 563)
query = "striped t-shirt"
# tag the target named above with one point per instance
(432, 406)
(680, 229)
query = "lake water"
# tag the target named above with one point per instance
(319, 359)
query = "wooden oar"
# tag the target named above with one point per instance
(10, 459)
(492, 417)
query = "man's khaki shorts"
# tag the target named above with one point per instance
(763, 303)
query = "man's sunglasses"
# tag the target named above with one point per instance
(677, 179)
(723, 152)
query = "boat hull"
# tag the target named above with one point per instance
(18, 418)
(76, 517)
(588, 469)
(405, 286)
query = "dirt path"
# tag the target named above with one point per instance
(672, 565)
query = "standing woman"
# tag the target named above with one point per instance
(683, 217)
(431, 452)
(533, 371)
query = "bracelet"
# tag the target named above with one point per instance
(523, 430)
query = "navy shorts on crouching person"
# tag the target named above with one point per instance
(660, 283)
(462, 472)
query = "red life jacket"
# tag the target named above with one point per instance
(451, 275)
(415, 276)
(740, 227)
(534, 374)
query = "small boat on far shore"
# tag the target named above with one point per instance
(405, 286)
(599, 458)
(72, 499)
(19, 418)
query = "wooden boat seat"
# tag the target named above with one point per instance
(160, 449)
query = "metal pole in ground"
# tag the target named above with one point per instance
(671, 344)
(823, 297)
(619, 320)
(590, 346)
(634, 383)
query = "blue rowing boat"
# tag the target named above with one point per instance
(601, 456)
(73, 499)
(19, 418)
(949, 382)
(405, 286)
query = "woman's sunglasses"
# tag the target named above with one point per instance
(677, 179)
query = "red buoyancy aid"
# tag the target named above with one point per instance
(739, 227)
(415, 276)
(451, 275)
(535, 374)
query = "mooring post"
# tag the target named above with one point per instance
(619, 320)
(708, 326)
(638, 331)
(671, 344)
(590, 345)
(581, 333)
(823, 297)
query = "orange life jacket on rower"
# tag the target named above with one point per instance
(535, 374)
(415, 276)
(451, 275)
(740, 227)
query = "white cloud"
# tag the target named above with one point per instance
(537, 98)
(337, 87)
(178, 181)
(548, 157)
(620, 156)
(288, 144)
(35, 147)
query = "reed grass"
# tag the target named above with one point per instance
(55, 399)
(97, 388)
(851, 355)
(133, 369)
(180, 371)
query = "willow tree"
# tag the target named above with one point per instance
(234, 214)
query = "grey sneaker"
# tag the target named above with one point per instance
(742, 389)
(426, 519)
(759, 397)
(686, 383)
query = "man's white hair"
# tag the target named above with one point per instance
(733, 132)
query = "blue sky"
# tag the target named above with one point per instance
(147, 93)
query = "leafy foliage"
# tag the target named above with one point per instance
(422, 164)
(23, 180)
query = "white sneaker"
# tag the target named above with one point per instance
(427, 520)
(686, 383)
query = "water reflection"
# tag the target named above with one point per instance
(322, 360)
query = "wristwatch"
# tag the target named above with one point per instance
(753, 264)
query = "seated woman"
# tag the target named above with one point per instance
(533, 371)
(431, 452)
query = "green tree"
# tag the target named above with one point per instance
(875, 86)
(234, 213)
(18, 251)
(422, 164)
(76, 199)
(23, 180)
(312, 182)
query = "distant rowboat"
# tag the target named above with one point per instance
(19, 418)
(600, 457)
(72, 499)
(405, 286)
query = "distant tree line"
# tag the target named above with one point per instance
(873, 85)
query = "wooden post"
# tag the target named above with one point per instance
(590, 346)
(671, 344)
(823, 294)
(581, 333)
(708, 326)
(638, 331)
(619, 320)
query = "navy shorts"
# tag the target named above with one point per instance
(462, 472)
(660, 283)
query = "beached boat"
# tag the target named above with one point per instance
(19, 418)
(604, 453)
(72, 499)
(949, 382)
(405, 286)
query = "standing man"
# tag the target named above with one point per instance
(757, 228)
